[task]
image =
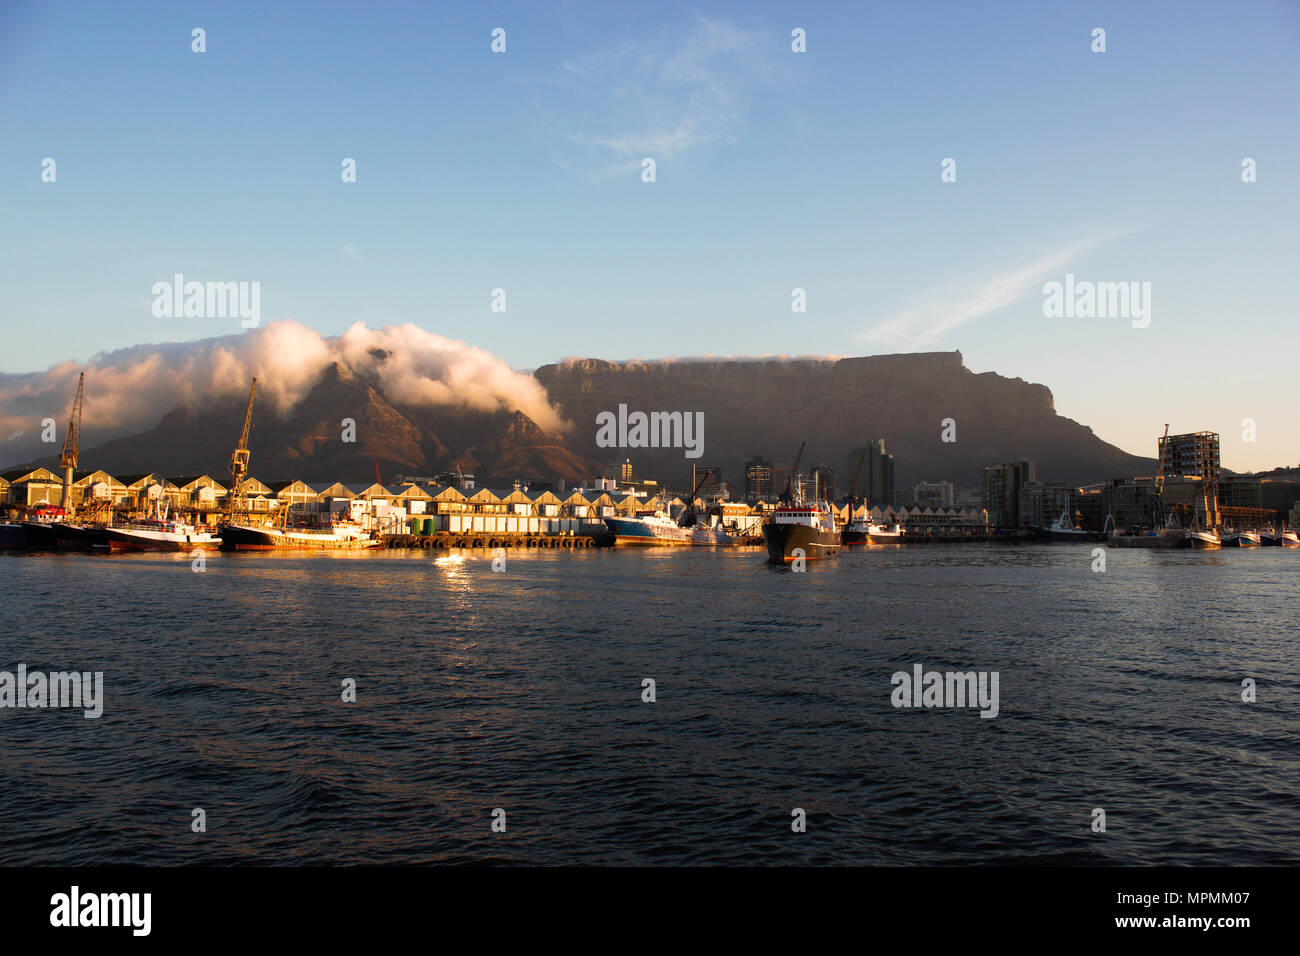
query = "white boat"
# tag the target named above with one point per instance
(1204, 539)
(865, 531)
(330, 536)
(160, 533)
(1240, 539)
(1290, 539)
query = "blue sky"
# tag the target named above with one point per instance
(775, 170)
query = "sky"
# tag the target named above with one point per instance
(774, 171)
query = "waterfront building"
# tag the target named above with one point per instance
(286, 494)
(933, 494)
(203, 493)
(1196, 453)
(1001, 491)
(923, 522)
(1042, 502)
(28, 487)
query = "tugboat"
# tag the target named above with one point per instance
(803, 526)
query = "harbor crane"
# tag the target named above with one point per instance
(239, 461)
(785, 497)
(1159, 484)
(853, 486)
(72, 445)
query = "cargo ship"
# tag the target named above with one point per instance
(259, 537)
(798, 525)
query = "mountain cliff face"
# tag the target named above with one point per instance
(767, 408)
(750, 407)
(308, 443)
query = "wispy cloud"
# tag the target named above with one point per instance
(943, 309)
(662, 97)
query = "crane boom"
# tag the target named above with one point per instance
(853, 487)
(1160, 464)
(72, 444)
(794, 470)
(239, 460)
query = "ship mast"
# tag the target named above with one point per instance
(72, 444)
(239, 462)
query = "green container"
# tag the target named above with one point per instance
(414, 525)
(428, 526)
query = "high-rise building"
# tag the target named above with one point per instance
(709, 477)
(1002, 485)
(625, 472)
(758, 479)
(876, 479)
(822, 482)
(1196, 453)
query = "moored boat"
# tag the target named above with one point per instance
(802, 529)
(257, 537)
(11, 536)
(1063, 529)
(1269, 538)
(649, 528)
(153, 534)
(1204, 539)
(1240, 539)
(1290, 539)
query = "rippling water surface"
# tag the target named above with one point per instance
(522, 690)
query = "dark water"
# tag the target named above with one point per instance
(522, 690)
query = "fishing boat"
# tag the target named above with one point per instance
(802, 526)
(650, 527)
(158, 532)
(1240, 539)
(50, 528)
(1204, 538)
(11, 536)
(1290, 539)
(329, 535)
(1063, 529)
(1270, 538)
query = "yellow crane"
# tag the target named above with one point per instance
(72, 445)
(239, 462)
